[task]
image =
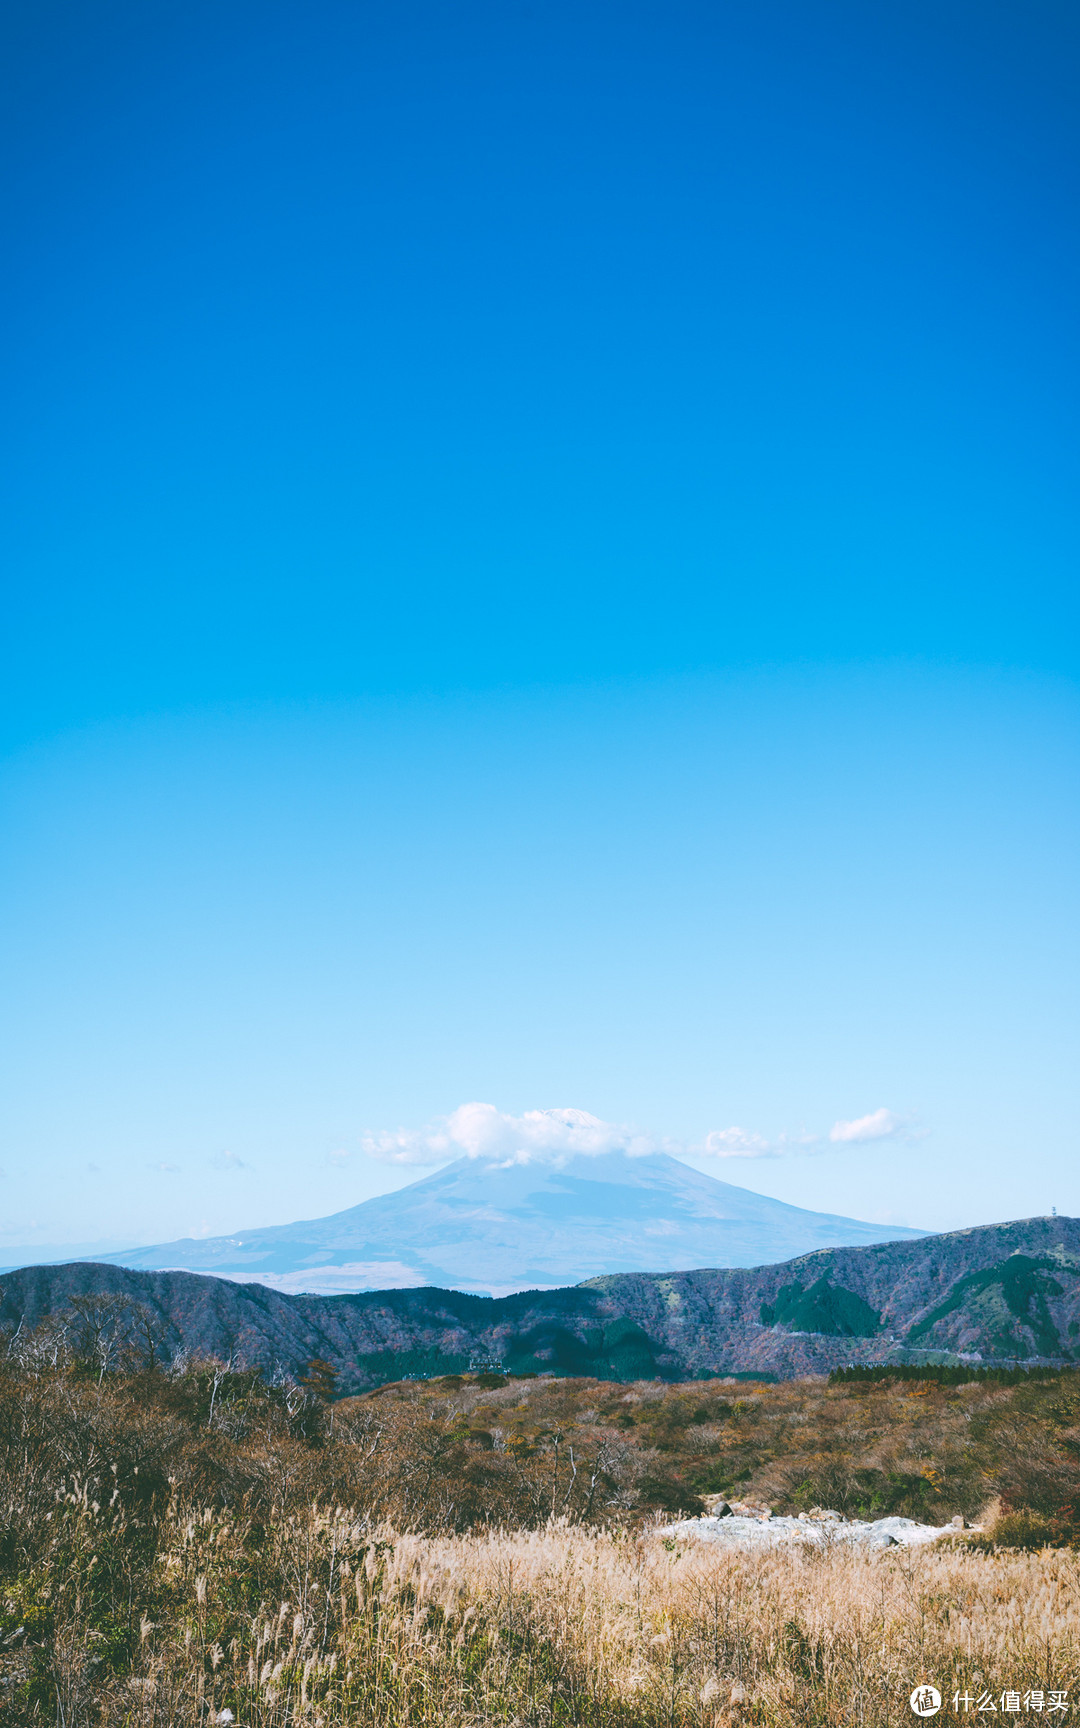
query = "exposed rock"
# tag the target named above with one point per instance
(829, 1529)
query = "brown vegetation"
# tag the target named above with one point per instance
(179, 1540)
(915, 1448)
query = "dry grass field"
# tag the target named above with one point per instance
(183, 1544)
(560, 1625)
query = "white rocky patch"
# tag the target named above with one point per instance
(820, 1529)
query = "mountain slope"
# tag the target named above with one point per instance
(1004, 1292)
(486, 1228)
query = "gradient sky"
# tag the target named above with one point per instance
(541, 549)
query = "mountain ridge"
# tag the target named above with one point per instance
(998, 1292)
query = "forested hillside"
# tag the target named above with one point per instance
(1005, 1292)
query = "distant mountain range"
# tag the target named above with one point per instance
(494, 1229)
(1001, 1292)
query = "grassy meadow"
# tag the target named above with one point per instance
(182, 1543)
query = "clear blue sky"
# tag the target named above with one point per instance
(541, 549)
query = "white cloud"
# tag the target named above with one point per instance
(537, 1137)
(742, 1143)
(879, 1125)
(553, 1136)
(228, 1161)
(736, 1143)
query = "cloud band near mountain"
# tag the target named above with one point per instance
(482, 1131)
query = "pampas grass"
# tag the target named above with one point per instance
(558, 1625)
(187, 1545)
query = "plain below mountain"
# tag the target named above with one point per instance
(998, 1293)
(495, 1229)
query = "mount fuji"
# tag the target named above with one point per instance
(493, 1228)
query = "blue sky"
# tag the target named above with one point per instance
(541, 548)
